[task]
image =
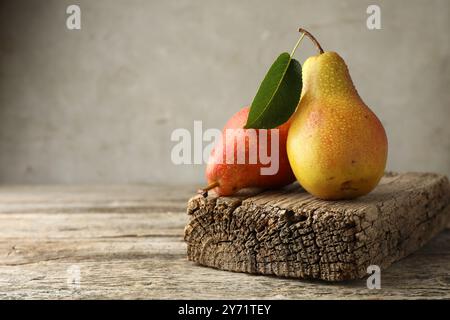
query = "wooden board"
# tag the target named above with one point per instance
(292, 234)
(127, 242)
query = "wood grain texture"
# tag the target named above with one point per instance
(127, 242)
(292, 234)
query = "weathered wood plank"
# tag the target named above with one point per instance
(131, 268)
(128, 251)
(91, 225)
(292, 234)
(57, 199)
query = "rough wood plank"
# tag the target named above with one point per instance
(118, 198)
(127, 242)
(290, 233)
(134, 269)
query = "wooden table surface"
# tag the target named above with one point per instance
(126, 242)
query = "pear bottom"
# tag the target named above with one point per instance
(339, 187)
(341, 159)
(336, 152)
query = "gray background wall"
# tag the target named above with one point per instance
(98, 105)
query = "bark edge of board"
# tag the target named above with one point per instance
(289, 233)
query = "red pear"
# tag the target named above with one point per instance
(227, 177)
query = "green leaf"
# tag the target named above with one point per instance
(278, 94)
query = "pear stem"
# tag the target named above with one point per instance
(311, 37)
(297, 44)
(204, 191)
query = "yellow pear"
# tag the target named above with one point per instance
(337, 147)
